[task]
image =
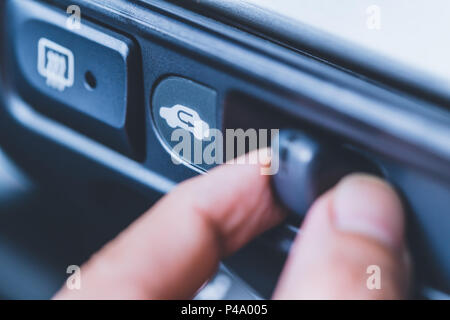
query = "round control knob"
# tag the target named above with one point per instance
(309, 167)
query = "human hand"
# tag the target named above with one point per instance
(175, 247)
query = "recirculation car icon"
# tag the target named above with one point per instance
(179, 116)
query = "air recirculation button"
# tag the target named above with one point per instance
(189, 107)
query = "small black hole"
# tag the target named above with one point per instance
(90, 81)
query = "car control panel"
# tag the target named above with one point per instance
(107, 105)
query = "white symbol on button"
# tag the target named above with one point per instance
(185, 118)
(56, 64)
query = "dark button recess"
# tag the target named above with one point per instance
(180, 103)
(78, 75)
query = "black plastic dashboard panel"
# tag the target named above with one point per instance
(259, 84)
(90, 53)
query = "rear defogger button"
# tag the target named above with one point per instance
(83, 77)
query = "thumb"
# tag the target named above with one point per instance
(351, 246)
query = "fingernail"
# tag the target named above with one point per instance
(368, 206)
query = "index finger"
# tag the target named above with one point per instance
(171, 250)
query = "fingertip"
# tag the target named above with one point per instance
(357, 224)
(369, 206)
(235, 197)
